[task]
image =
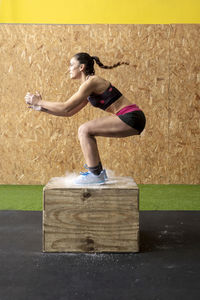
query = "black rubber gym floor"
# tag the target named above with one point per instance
(168, 266)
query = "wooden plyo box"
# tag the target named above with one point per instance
(101, 218)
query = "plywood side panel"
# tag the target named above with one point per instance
(184, 104)
(32, 140)
(162, 78)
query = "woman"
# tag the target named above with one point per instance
(126, 120)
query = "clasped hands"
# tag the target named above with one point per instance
(33, 100)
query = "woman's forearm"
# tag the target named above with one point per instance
(65, 109)
(64, 112)
(60, 114)
(59, 108)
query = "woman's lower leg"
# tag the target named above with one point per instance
(90, 152)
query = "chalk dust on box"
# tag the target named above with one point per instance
(68, 180)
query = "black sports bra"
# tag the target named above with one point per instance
(105, 99)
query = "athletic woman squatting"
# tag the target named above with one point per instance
(126, 119)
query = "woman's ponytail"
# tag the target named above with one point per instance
(99, 63)
(88, 61)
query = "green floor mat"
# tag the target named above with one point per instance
(169, 197)
(21, 197)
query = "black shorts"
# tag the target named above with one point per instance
(136, 119)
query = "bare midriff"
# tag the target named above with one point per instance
(118, 105)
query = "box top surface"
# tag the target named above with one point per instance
(112, 183)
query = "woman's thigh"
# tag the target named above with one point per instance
(109, 126)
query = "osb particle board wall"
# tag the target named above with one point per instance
(163, 79)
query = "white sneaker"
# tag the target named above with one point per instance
(90, 178)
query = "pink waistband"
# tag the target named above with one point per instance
(127, 109)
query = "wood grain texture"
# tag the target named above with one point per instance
(91, 219)
(163, 78)
(184, 104)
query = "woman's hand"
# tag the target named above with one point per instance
(33, 99)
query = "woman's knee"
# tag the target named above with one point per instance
(84, 130)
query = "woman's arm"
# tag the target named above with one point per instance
(68, 108)
(61, 114)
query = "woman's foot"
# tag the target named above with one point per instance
(90, 178)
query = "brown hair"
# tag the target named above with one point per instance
(88, 61)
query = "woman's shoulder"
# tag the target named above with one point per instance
(95, 84)
(98, 82)
(95, 79)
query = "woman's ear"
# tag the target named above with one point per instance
(82, 67)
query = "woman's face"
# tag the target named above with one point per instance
(74, 69)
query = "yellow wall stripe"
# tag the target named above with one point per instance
(103, 11)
